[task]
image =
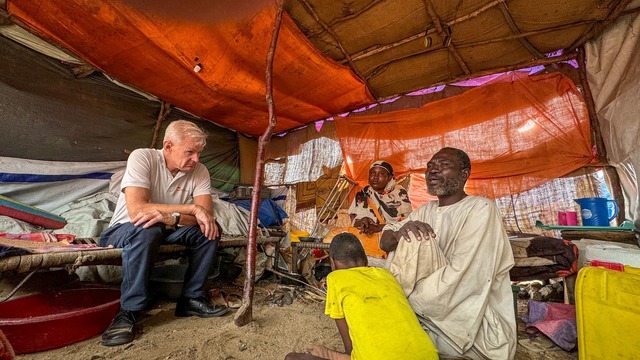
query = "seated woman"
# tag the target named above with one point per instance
(380, 202)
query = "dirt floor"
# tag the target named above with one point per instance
(286, 318)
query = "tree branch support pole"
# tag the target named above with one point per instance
(244, 315)
(165, 109)
(610, 172)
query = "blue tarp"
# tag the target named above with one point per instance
(269, 212)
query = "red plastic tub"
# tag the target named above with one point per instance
(56, 319)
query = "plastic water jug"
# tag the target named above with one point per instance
(595, 211)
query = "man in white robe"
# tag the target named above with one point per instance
(452, 259)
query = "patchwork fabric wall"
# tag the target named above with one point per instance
(48, 114)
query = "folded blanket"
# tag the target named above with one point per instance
(542, 258)
(40, 237)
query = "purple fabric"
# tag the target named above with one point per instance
(557, 321)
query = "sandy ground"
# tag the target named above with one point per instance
(278, 328)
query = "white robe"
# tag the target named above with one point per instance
(462, 285)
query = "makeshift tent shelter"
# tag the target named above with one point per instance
(208, 60)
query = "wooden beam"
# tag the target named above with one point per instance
(380, 48)
(630, 11)
(372, 51)
(446, 37)
(524, 34)
(516, 31)
(598, 26)
(244, 315)
(165, 109)
(326, 28)
(378, 69)
(527, 64)
(355, 14)
(596, 134)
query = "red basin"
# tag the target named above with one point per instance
(55, 319)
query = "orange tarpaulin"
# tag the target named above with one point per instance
(519, 132)
(156, 45)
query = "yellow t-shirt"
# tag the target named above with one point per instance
(382, 324)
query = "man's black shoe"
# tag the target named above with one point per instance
(121, 330)
(200, 307)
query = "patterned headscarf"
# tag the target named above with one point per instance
(392, 205)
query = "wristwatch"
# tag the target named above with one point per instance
(177, 217)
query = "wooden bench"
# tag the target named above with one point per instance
(101, 256)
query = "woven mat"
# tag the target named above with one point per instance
(305, 195)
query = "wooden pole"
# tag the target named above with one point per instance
(326, 28)
(431, 11)
(379, 48)
(545, 61)
(516, 31)
(245, 312)
(165, 109)
(598, 26)
(611, 173)
(354, 14)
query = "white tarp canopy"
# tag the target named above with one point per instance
(613, 68)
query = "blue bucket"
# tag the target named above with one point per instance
(595, 211)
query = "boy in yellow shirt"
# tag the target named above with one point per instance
(371, 311)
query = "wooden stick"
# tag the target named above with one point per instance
(165, 109)
(382, 66)
(476, 12)
(244, 315)
(326, 28)
(630, 11)
(545, 61)
(600, 25)
(316, 289)
(380, 48)
(524, 34)
(596, 134)
(452, 49)
(372, 51)
(515, 30)
(355, 14)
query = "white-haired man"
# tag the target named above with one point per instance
(166, 199)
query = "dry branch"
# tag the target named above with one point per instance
(326, 28)
(516, 31)
(165, 109)
(452, 49)
(244, 315)
(596, 132)
(380, 48)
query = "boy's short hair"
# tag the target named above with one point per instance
(346, 247)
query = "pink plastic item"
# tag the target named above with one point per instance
(567, 218)
(607, 265)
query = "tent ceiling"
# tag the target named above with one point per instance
(398, 46)
(387, 47)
